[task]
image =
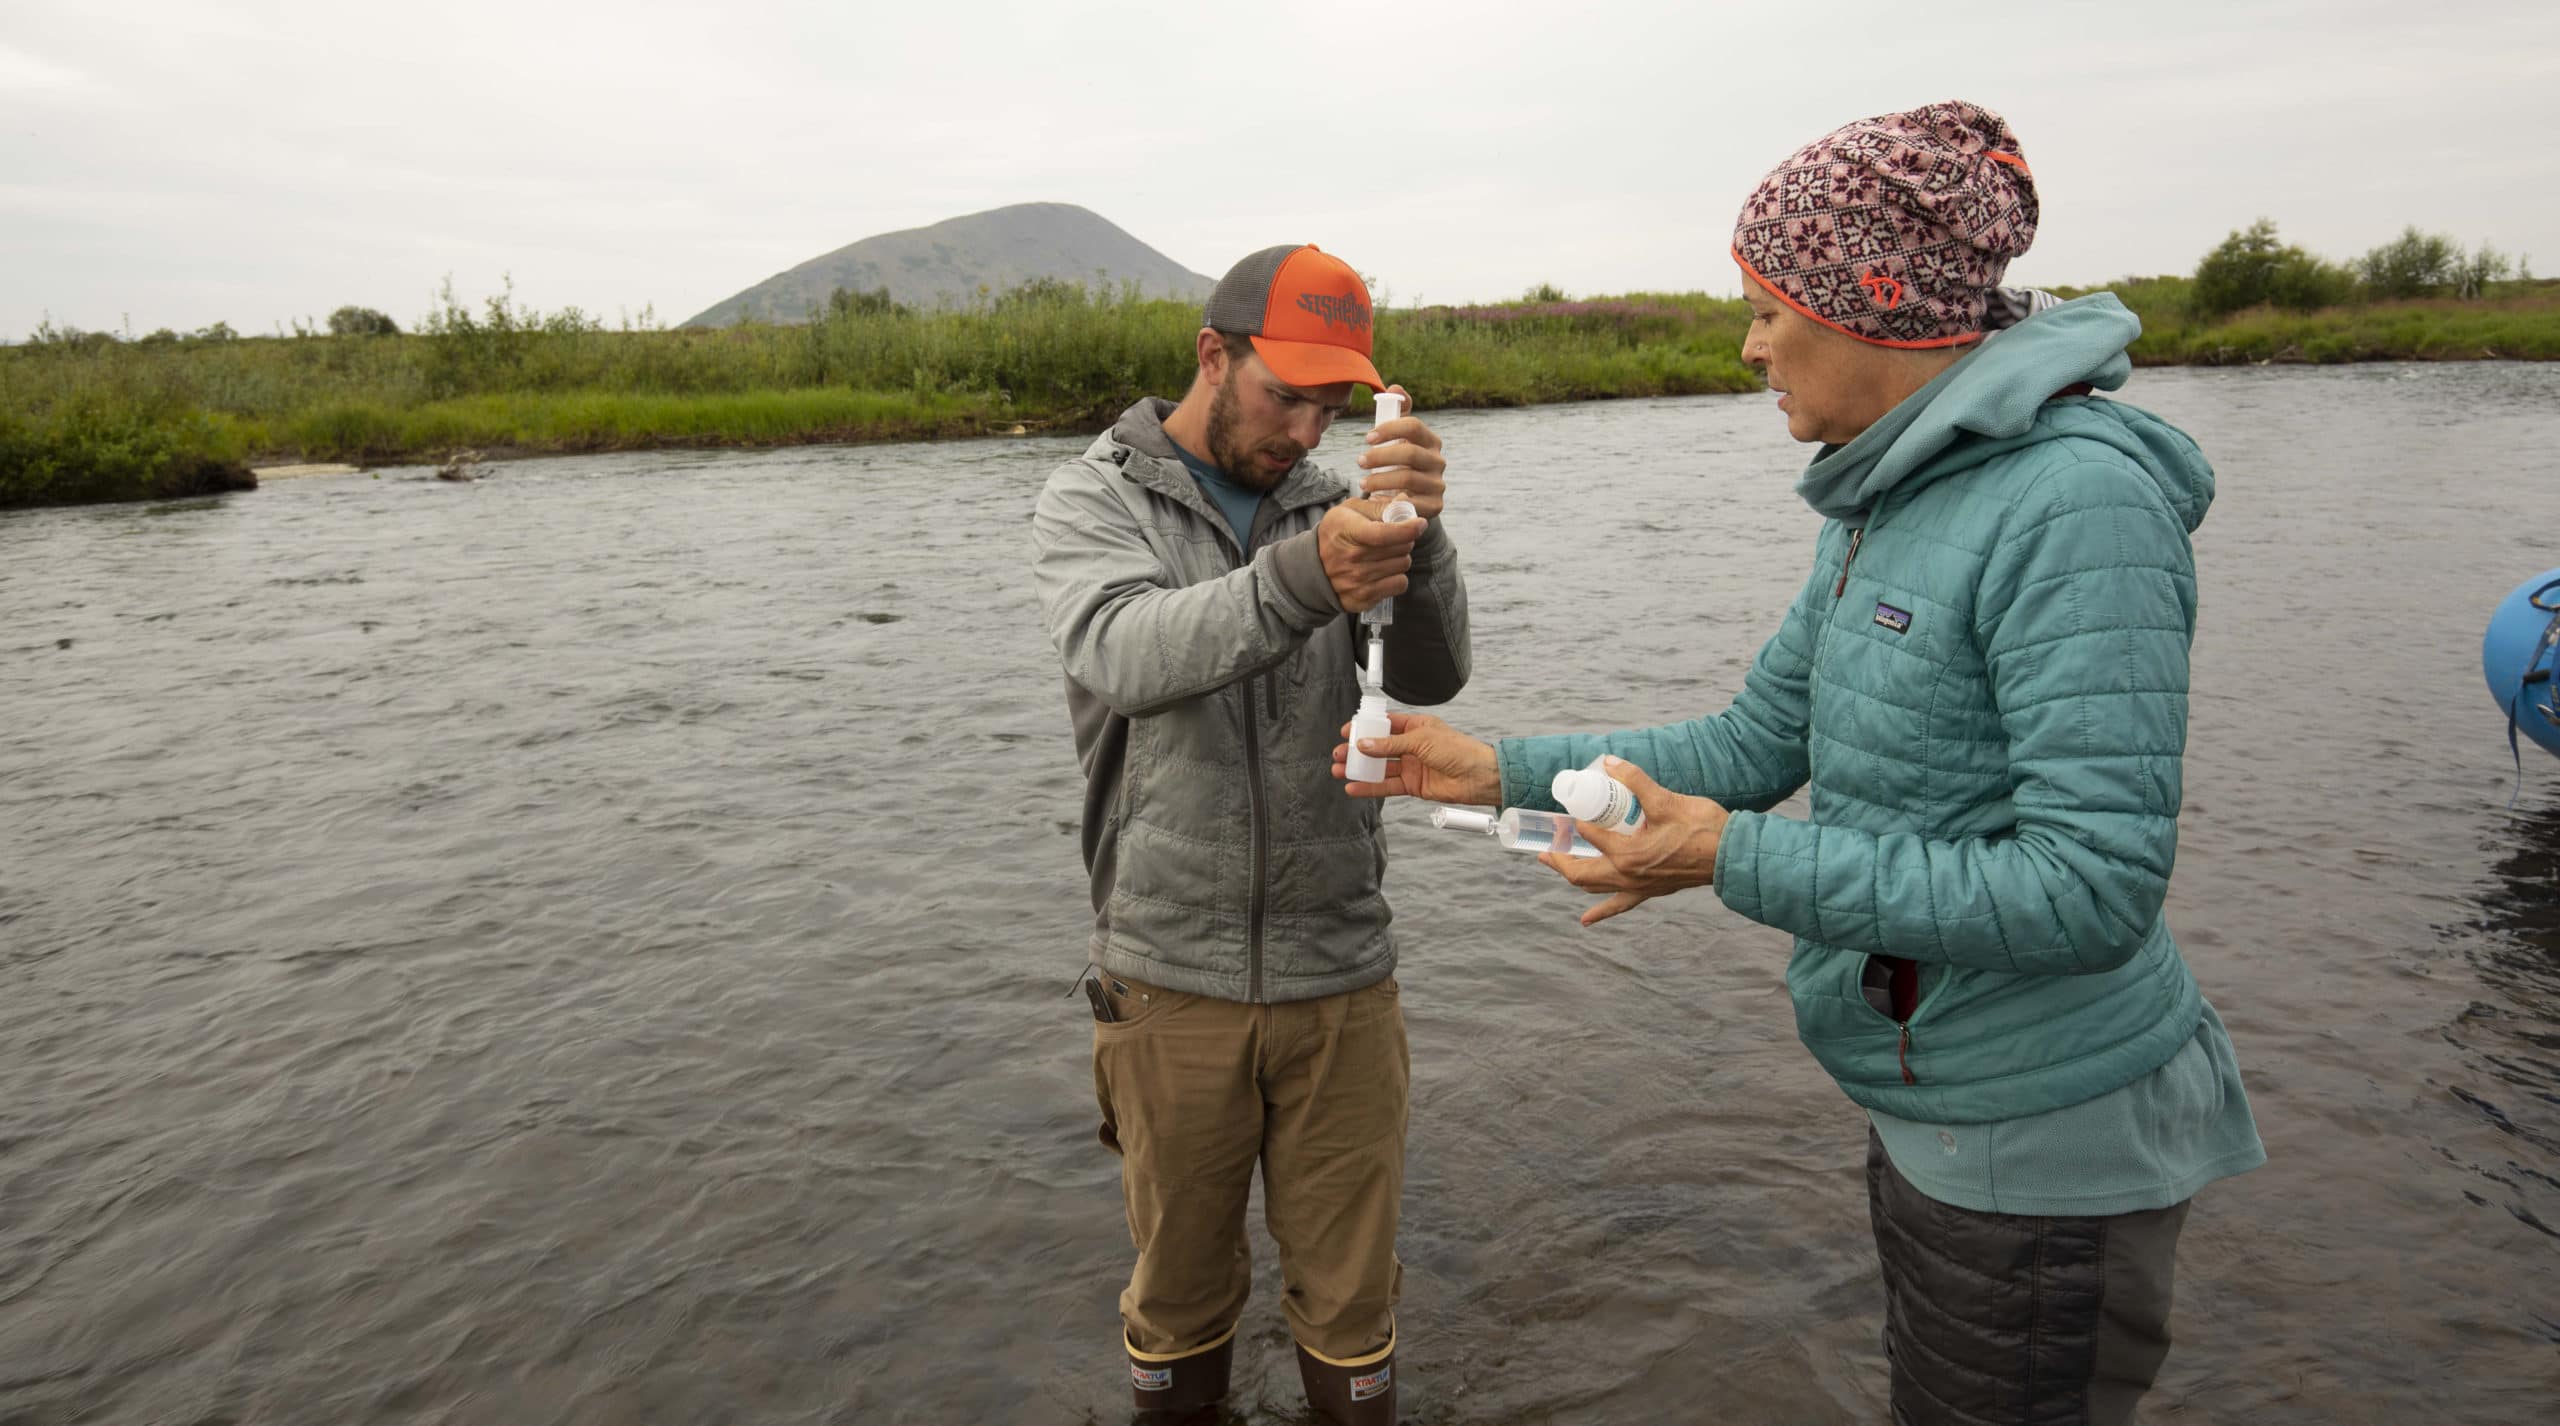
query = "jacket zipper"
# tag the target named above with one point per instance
(1253, 794)
(1822, 630)
(1839, 591)
(1905, 1041)
(1253, 759)
(1842, 587)
(1253, 801)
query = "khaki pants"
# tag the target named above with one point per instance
(1194, 1091)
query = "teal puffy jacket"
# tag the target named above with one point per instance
(1985, 683)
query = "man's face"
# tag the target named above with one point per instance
(1261, 426)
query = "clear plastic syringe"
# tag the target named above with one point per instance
(1398, 510)
(1371, 721)
(1519, 829)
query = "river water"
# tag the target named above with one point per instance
(595, 945)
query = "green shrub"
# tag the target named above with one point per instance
(2414, 264)
(2252, 268)
(361, 322)
(844, 302)
(2300, 282)
(93, 450)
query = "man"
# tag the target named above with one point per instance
(1200, 579)
(1984, 683)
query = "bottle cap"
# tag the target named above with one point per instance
(1390, 408)
(1582, 791)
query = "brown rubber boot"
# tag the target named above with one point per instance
(1350, 1396)
(1184, 1391)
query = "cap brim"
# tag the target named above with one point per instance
(1316, 363)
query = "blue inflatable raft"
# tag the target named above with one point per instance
(2517, 655)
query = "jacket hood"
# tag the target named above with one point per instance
(1137, 443)
(1996, 400)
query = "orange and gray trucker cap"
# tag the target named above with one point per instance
(1307, 312)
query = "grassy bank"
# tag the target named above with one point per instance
(86, 417)
(2517, 322)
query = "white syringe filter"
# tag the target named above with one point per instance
(1390, 408)
(1459, 819)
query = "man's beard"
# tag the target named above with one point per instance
(1240, 464)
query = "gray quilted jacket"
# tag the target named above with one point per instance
(1208, 686)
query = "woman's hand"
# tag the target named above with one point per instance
(1673, 849)
(1427, 759)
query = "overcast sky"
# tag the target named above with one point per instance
(171, 164)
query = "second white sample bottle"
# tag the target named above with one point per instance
(1595, 797)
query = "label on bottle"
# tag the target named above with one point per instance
(1617, 809)
(1621, 813)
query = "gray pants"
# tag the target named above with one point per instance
(1995, 1319)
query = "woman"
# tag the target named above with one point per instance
(1984, 683)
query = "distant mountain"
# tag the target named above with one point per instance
(946, 264)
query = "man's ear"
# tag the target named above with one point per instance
(1212, 350)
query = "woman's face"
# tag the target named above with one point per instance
(1832, 386)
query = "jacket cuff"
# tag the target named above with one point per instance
(1433, 547)
(1519, 767)
(1738, 866)
(1297, 568)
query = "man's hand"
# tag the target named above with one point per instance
(1428, 759)
(1364, 559)
(1407, 442)
(1673, 849)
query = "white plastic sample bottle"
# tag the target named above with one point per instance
(1595, 797)
(1519, 829)
(1369, 722)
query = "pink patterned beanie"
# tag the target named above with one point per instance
(1894, 229)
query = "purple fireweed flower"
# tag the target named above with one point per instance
(1605, 312)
